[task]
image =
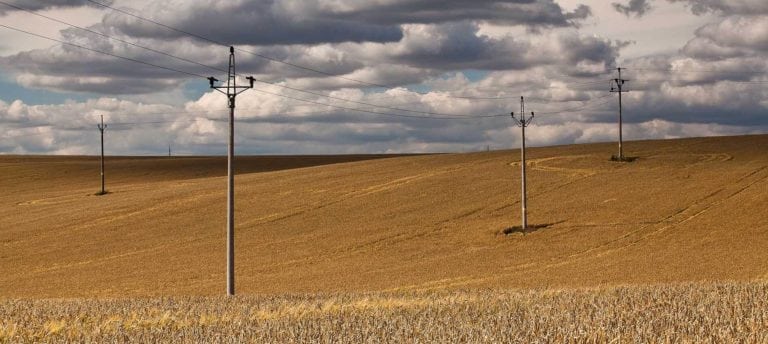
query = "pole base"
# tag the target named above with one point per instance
(623, 158)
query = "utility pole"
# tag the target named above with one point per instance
(617, 86)
(169, 150)
(522, 122)
(101, 127)
(231, 90)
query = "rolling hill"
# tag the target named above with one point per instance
(687, 210)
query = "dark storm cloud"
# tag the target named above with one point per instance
(37, 5)
(635, 7)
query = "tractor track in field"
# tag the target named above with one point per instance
(363, 192)
(634, 237)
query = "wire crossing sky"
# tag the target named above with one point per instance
(391, 76)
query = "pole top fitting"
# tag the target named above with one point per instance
(232, 49)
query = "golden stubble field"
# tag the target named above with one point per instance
(675, 231)
(686, 210)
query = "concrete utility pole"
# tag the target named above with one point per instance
(522, 122)
(101, 127)
(617, 85)
(231, 90)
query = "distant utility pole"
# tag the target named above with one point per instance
(169, 149)
(101, 127)
(522, 122)
(617, 86)
(231, 90)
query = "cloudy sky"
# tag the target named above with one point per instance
(375, 76)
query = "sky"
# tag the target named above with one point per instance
(375, 76)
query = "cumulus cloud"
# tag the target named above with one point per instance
(737, 32)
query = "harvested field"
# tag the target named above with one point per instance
(686, 210)
(668, 248)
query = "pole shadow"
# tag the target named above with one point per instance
(531, 228)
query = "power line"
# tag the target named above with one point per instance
(261, 81)
(456, 117)
(590, 104)
(587, 104)
(670, 69)
(238, 49)
(272, 59)
(109, 37)
(103, 52)
(649, 81)
(201, 64)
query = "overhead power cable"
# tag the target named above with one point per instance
(457, 117)
(272, 59)
(103, 52)
(111, 37)
(206, 39)
(699, 71)
(207, 66)
(588, 104)
(431, 114)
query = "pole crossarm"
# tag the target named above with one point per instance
(522, 121)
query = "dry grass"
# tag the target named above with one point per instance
(689, 313)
